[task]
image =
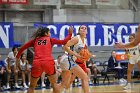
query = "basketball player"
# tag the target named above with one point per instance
(78, 42)
(134, 57)
(135, 42)
(43, 60)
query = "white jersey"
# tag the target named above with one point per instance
(67, 63)
(12, 58)
(134, 54)
(23, 64)
(80, 44)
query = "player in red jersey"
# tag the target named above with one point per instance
(43, 60)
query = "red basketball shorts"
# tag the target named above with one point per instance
(39, 67)
(83, 66)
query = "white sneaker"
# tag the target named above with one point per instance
(8, 87)
(43, 85)
(90, 83)
(128, 86)
(16, 85)
(25, 86)
(80, 83)
(28, 83)
(122, 82)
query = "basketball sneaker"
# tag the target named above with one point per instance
(16, 85)
(8, 87)
(24, 85)
(128, 86)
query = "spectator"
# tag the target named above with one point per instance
(3, 75)
(112, 64)
(112, 60)
(94, 69)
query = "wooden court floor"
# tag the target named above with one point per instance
(93, 89)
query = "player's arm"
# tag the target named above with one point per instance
(25, 46)
(62, 42)
(71, 42)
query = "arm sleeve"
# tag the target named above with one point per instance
(61, 42)
(25, 46)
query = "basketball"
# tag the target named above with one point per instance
(85, 54)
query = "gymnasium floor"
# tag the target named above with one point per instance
(115, 88)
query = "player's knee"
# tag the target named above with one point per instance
(53, 84)
(85, 78)
(129, 70)
(32, 86)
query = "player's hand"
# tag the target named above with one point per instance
(119, 45)
(70, 31)
(79, 57)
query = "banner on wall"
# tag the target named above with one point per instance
(77, 2)
(45, 2)
(108, 2)
(13, 1)
(99, 34)
(6, 35)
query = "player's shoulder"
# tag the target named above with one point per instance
(10, 53)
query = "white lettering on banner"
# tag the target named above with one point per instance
(77, 28)
(99, 34)
(53, 27)
(5, 35)
(92, 34)
(108, 35)
(62, 31)
(122, 36)
(133, 29)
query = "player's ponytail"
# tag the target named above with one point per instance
(40, 32)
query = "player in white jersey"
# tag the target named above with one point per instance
(66, 64)
(79, 43)
(24, 67)
(134, 57)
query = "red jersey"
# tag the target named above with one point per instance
(43, 47)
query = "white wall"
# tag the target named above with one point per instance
(93, 15)
(137, 16)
